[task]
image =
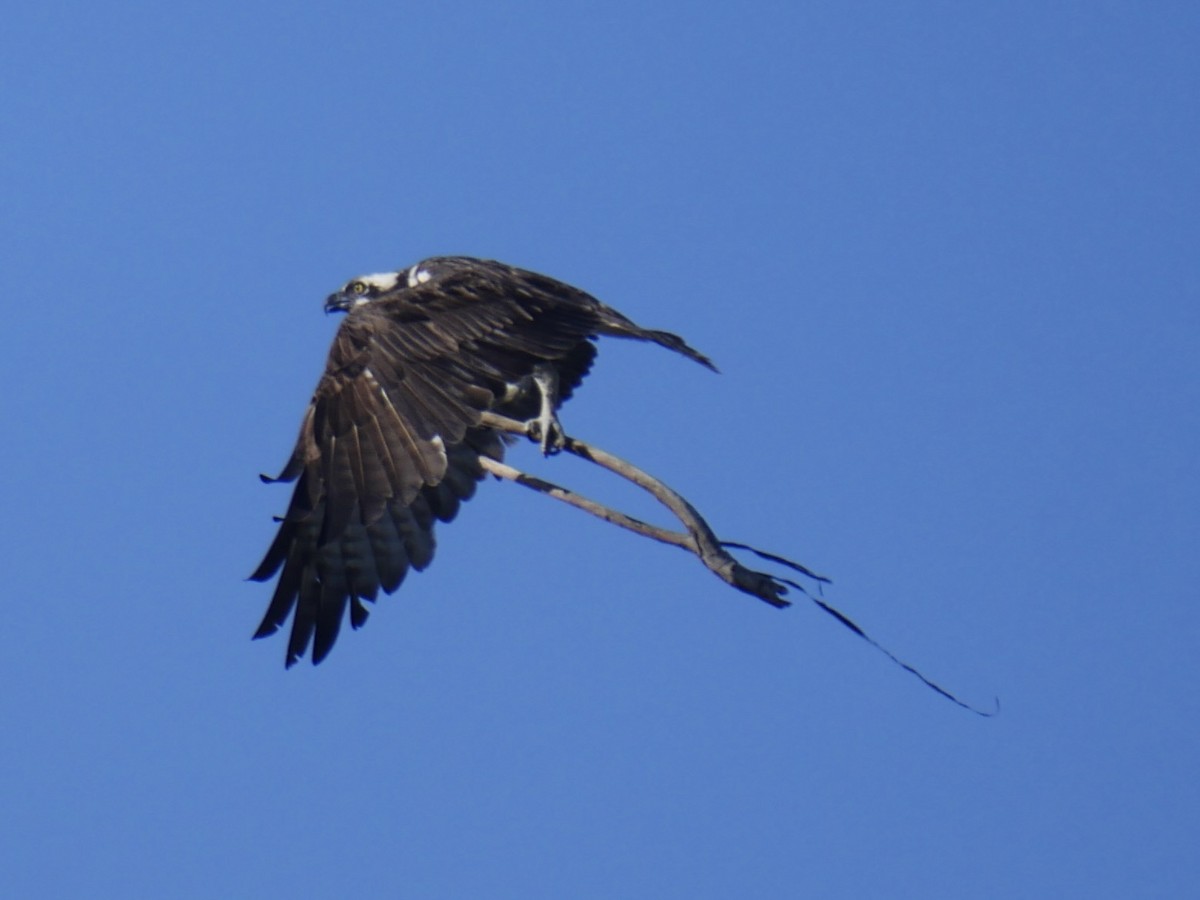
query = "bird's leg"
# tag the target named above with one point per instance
(546, 428)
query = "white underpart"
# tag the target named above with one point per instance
(417, 275)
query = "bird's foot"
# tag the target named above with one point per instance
(548, 432)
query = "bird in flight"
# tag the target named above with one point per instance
(392, 439)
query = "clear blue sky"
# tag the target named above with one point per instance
(946, 257)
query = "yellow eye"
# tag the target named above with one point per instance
(358, 287)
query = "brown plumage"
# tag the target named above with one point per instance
(391, 440)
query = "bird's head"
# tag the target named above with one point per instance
(360, 290)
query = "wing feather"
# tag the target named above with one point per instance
(387, 547)
(304, 622)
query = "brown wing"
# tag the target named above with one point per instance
(385, 449)
(322, 576)
(543, 317)
(389, 445)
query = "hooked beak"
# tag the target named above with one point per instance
(338, 302)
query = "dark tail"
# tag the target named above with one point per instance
(676, 343)
(612, 322)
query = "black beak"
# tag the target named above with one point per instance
(338, 302)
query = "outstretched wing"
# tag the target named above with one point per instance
(322, 576)
(524, 312)
(383, 452)
(390, 444)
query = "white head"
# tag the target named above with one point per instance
(360, 290)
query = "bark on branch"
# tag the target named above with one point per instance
(697, 538)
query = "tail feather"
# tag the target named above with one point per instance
(611, 322)
(676, 343)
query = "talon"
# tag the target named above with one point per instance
(548, 433)
(553, 439)
(546, 425)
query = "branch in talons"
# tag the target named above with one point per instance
(697, 537)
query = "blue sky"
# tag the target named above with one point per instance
(945, 256)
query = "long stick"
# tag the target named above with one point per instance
(698, 538)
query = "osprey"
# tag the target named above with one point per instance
(392, 439)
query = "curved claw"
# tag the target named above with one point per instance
(548, 433)
(546, 425)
